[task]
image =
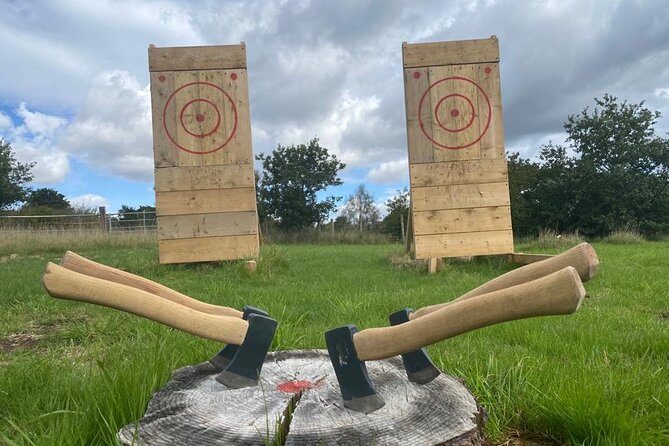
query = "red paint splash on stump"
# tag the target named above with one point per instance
(296, 386)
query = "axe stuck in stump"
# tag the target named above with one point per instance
(247, 333)
(549, 287)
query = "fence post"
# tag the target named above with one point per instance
(103, 218)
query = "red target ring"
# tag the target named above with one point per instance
(455, 112)
(189, 113)
(199, 117)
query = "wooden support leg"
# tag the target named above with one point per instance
(432, 265)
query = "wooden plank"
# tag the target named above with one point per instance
(464, 244)
(207, 225)
(455, 128)
(462, 220)
(208, 249)
(204, 177)
(460, 196)
(492, 141)
(450, 53)
(197, 57)
(205, 201)
(416, 83)
(458, 172)
(165, 153)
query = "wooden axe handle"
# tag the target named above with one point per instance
(82, 265)
(557, 293)
(582, 257)
(65, 284)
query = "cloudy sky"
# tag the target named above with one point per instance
(74, 94)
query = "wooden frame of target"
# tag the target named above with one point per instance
(204, 179)
(455, 135)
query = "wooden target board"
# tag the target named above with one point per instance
(458, 171)
(204, 179)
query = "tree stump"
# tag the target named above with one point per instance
(298, 403)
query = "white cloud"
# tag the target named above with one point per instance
(390, 172)
(34, 141)
(88, 201)
(112, 132)
(5, 121)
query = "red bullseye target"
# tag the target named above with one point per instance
(454, 112)
(201, 118)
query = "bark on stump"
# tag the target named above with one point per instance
(298, 403)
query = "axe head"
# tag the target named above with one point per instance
(418, 365)
(223, 358)
(356, 388)
(244, 368)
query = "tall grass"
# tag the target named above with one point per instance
(324, 236)
(43, 241)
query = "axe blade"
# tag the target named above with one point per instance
(223, 358)
(356, 389)
(244, 368)
(419, 367)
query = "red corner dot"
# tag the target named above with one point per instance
(488, 70)
(199, 117)
(162, 78)
(416, 74)
(455, 113)
(233, 76)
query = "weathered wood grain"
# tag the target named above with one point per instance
(197, 57)
(450, 53)
(195, 409)
(208, 249)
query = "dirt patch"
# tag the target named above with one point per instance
(9, 258)
(664, 315)
(528, 439)
(30, 338)
(19, 341)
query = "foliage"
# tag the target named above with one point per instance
(612, 173)
(141, 216)
(291, 178)
(46, 197)
(360, 210)
(13, 176)
(398, 211)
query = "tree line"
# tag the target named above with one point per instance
(611, 173)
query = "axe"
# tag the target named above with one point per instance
(80, 264)
(558, 293)
(252, 336)
(583, 258)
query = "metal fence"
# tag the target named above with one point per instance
(128, 221)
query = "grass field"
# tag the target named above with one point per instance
(73, 373)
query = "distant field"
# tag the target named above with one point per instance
(73, 374)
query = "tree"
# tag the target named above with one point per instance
(45, 197)
(398, 212)
(612, 173)
(291, 178)
(141, 216)
(360, 209)
(13, 176)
